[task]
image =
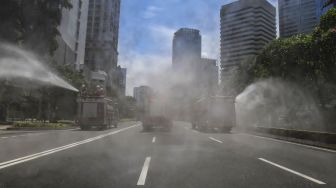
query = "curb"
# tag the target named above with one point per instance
(38, 129)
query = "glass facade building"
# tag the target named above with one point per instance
(297, 16)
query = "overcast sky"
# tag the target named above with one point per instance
(147, 28)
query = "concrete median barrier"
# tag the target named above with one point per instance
(316, 138)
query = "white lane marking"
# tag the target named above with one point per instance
(294, 172)
(214, 139)
(48, 152)
(72, 129)
(293, 143)
(5, 137)
(143, 174)
(153, 140)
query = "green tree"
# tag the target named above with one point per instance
(61, 103)
(32, 23)
(329, 2)
(9, 95)
(239, 77)
(127, 107)
(71, 75)
(9, 21)
(308, 60)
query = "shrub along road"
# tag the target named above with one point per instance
(128, 157)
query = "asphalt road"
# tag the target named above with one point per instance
(127, 157)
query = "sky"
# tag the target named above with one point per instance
(146, 33)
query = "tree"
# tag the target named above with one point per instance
(32, 23)
(239, 77)
(329, 2)
(74, 77)
(9, 95)
(61, 103)
(308, 60)
(127, 107)
(9, 21)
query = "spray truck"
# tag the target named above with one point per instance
(214, 113)
(95, 110)
(157, 115)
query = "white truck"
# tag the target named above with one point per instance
(214, 113)
(157, 117)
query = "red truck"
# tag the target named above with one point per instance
(97, 112)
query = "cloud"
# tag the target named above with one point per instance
(210, 45)
(162, 37)
(143, 69)
(151, 12)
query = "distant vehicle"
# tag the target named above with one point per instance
(214, 113)
(156, 117)
(97, 112)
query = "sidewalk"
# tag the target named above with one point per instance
(4, 127)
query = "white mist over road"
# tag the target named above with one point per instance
(16, 63)
(276, 103)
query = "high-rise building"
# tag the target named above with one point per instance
(72, 29)
(101, 54)
(297, 16)
(122, 81)
(209, 76)
(321, 9)
(246, 27)
(187, 47)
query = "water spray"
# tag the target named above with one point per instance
(16, 63)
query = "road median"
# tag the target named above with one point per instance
(38, 128)
(314, 138)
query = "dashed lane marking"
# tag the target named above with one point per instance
(214, 139)
(143, 174)
(293, 171)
